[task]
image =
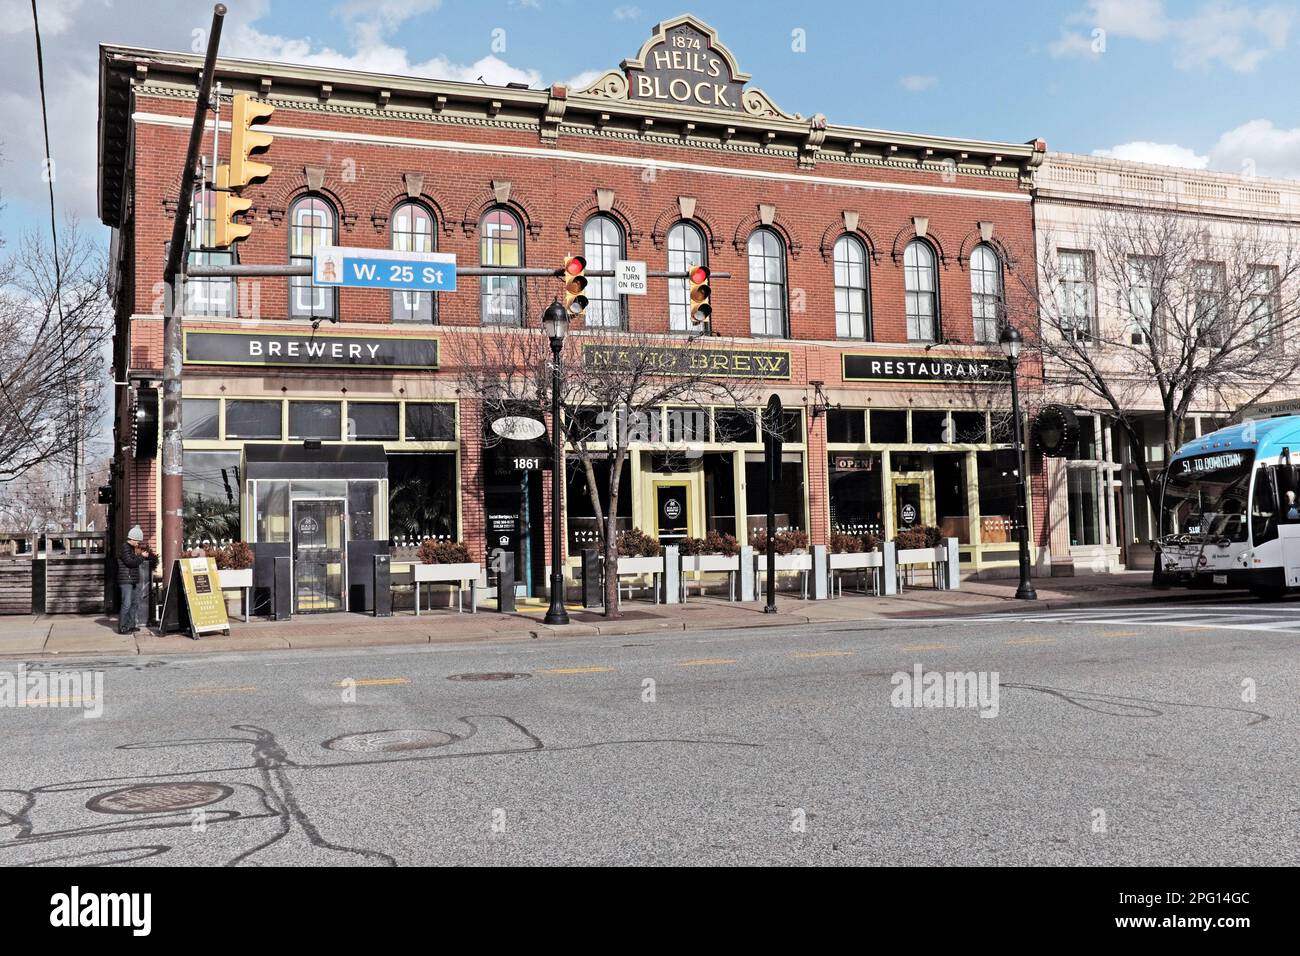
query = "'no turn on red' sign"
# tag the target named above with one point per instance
(629, 277)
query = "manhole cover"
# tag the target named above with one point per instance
(491, 675)
(389, 741)
(159, 797)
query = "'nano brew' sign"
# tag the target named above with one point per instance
(718, 363)
(683, 64)
(315, 349)
(859, 367)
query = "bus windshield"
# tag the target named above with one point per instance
(1205, 496)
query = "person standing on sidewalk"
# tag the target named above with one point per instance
(133, 579)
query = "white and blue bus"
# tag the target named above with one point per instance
(1229, 514)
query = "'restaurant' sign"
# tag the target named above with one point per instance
(709, 362)
(313, 349)
(861, 367)
(683, 64)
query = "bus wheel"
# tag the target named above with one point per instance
(1268, 593)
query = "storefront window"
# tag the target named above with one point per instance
(687, 425)
(1084, 526)
(929, 428)
(857, 506)
(430, 421)
(888, 427)
(366, 511)
(846, 426)
(787, 493)
(735, 426)
(210, 496)
(720, 492)
(319, 420)
(200, 418)
(271, 510)
(969, 428)
(422, 491)
(372, 421)
(997, 481)
(584, 527)
(252, 419)
(950, 502)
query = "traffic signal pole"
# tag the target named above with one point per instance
(174, 281)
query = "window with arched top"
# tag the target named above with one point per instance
(412, 230)
(685, 251)
(767, 301)
(986, 293)
(602, 246)
(312, 224)
(852, 299)
(921, 284)
(208, 296)
(501, 243)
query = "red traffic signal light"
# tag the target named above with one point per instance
(575, 283)
(698, 277)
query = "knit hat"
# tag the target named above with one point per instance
(135, 534)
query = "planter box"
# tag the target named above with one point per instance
(922, 555)
(446, 573)
(855, 562)
(236, 578)
(640, 566)
(710, 563)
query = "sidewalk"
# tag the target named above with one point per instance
(31, 636)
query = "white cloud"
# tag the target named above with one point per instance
(1162, 154)
(583, 79)
(1258, 148)
(917, 83)
(628, 12)
(1221, 32)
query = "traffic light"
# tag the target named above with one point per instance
(698, 276)
(226, 205)
(144, 422)
(575, 283)
(246, 111)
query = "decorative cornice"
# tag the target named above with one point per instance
(619, 210)
(673, 215)
(793, 244)
(907, 234)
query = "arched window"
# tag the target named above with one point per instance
(986, 293)
(501, 243)
(685, 251)
(766, 283)
(921, 285)
(602, 245)
(412, 231)
(851, 296)
(312, 223)
(208, 296)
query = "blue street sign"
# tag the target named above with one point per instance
(359, 268)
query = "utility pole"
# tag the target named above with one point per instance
(174, 280)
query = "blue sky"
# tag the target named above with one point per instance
(1204, 84)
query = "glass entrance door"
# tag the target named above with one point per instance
(910, 508)
(672, 511)
(319, 555)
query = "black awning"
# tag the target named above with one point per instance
(323, 462)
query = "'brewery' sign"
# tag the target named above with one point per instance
(683, 64)
(711, 362)
(314, 349)
(861, 367)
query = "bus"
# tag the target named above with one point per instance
(1229, 514)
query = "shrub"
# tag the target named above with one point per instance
(842, 543)
(235, 556)
(921, 536)
(635, 543)
(787, 542)
(692, 546)
(716, 542)
(442, 552)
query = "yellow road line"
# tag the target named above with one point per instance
(374, 682)
(925, 647)
(577, 670)
(705, 662)
(1120, 634)
(57, 701)
(824, 654)
(220, 690)
(1031, 640)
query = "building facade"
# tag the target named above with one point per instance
(1119, 244)
(869, 274)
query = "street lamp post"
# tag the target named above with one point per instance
(555, 323)
(1011, 343)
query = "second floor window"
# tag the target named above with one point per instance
(766, 283)
(602, 245)
(1262, 304)
(1075, 295)
(208, 296)
(851, 310)
(1141, 297)
(311, 225)
(501, 243)
(921, 285)
(986, 293)
(412, 231)
(1209, 300)
(685, 251)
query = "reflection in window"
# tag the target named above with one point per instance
(766, 283)
(200, 418)
(319, 420)
(210, 496)
(412, 228)
(685, 251)
(501, 243)
(851, 288)
(311, 225)
(430, 421)
(372, 421)
(921, 285)
(252, 419)
(208, 296)
(602, 245)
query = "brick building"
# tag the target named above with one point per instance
(878, 264)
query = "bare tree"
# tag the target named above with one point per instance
(1156, 309)
(53, 327)
(613, 385)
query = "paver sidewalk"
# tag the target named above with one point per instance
(30, 636)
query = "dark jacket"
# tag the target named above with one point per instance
(129, 562)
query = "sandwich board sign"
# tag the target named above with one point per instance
(194, 600)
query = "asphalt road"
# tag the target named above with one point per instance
(1118, 737)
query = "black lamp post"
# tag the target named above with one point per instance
(1011, 343)
(555, 323)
